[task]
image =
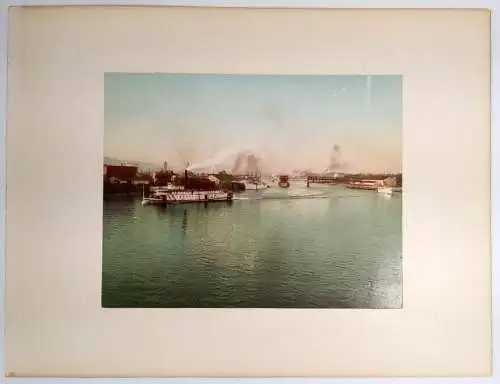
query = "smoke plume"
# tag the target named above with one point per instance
(335, 163)
(246, 163)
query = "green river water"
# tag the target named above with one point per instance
(322, 247)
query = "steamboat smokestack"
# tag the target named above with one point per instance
(186, 174)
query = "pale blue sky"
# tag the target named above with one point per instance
(291, 121)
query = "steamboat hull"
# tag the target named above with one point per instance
(163, 202)
(186, 197)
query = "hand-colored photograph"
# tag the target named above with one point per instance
(252, 191)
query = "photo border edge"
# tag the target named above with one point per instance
(359, 4)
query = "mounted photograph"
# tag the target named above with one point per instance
(252, 191)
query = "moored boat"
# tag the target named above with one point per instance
(255, 186)
(283, 181)
(370, 185)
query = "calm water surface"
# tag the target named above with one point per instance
(298, 248)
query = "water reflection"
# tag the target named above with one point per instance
(184, 221)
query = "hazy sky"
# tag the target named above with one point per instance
(290, 121)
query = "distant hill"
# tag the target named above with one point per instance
(142, 166)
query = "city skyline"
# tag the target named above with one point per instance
(290, 122)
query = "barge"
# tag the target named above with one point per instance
(379, 186)
(370, 185)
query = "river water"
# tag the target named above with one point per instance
(322, 247)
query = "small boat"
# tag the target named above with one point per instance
(155, 200)
(283, 181)
(386, 191)
(255, 186)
